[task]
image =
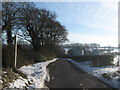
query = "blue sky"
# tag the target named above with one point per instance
(87, 22)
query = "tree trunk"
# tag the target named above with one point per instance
(36, 47)
(9, 37)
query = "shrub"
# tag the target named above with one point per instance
(44, 55)
(97, 60)
(8, 56)
(25, 57)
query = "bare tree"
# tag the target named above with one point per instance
(41, 27)
(9, 16)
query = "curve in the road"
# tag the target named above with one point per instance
(64, 75)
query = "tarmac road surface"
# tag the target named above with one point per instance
(63, 74)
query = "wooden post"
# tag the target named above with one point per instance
(118, 61)
(15, 50)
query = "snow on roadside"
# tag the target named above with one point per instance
(1, 80)
(37, 75)
(99, 71)
(19, 83)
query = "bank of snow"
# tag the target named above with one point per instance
(108, 74)
(37, 75)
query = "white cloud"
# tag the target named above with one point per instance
(115, 20)
(103, 27)
(110, 5)
(88, 38)
(105, 18)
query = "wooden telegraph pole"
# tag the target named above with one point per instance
(15, 50)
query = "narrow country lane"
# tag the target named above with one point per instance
(63, 74)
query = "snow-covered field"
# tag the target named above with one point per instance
(108, 74)
(37, 75)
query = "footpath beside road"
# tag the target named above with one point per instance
(63, 74)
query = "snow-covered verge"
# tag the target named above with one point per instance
(1, 80)
(37, 74)
(108, 74)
